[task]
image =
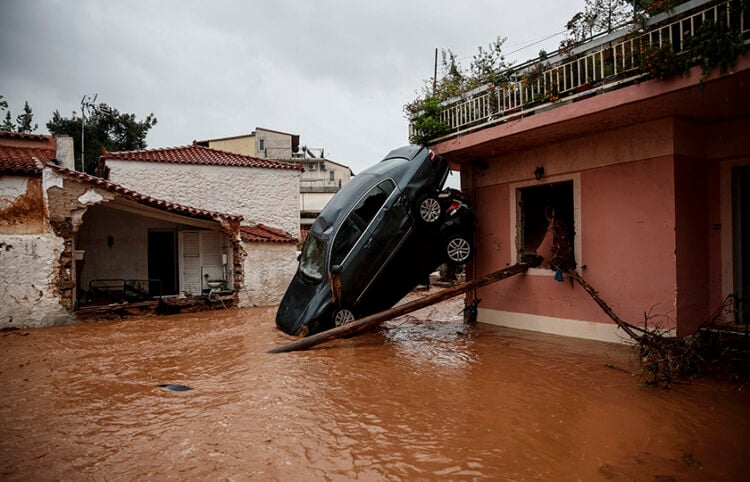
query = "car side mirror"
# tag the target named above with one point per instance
(336, 269)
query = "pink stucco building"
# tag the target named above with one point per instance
(651, 179)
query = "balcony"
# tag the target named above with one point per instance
(659, 47)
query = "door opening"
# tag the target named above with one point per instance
(741, 210)
(162, 263)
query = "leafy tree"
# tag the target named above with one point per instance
(597, 16)
(105, 127)
(488, 67)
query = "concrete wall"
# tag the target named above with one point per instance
(269, 267)
(244, 145)
(267, 196)
(277, 145)
(28, 294)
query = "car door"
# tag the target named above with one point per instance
(360, 244)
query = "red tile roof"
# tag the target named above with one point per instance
(22, 153)
(142, 198)
(198, 155)
(25, 136)
(261, 233)
(24, 160)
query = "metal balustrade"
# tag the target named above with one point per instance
(604, 63)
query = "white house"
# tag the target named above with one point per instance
(265, 193)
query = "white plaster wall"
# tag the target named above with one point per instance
(12, 187)
(28, 265)
(267, 196)
(269, 267)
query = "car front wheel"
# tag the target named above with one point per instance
(458, 249)
(428, 209)
(342, 317)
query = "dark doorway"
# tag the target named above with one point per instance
(162, 265)
(741, 209)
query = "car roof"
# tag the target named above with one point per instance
(359, 185)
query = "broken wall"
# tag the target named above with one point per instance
(29, 257)
(29, 295)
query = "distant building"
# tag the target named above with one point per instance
(320, 180)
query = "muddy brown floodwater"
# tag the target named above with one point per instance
(413, 400)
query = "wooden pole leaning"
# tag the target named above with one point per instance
(399, 310)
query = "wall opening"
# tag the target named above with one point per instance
(741, 232)
(546, 225)
(162, 262)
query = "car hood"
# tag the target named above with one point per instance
(303, 305)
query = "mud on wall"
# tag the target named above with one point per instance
(21, 205)
(27, 293)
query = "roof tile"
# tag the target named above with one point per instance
(198, 155)
(261, 233)
(26, 160)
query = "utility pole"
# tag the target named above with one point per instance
(86, 103)
(434, 76)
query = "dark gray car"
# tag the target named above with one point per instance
(380, 236)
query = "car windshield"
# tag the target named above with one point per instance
(312, 260)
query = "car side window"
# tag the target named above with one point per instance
(356, 222)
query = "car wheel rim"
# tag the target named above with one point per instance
(458, 250)
(429, 210)
(343, 317)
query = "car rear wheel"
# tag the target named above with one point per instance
(458, 249)
(428, 209)
(343, 316)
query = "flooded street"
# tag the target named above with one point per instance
(410, 401)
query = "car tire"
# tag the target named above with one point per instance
(428, 209)
(458, 249)
(343, 316)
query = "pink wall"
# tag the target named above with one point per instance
(627, 227)
(629, 237)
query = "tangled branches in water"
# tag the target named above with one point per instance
(719, 346)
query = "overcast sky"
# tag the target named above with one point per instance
(336, 72)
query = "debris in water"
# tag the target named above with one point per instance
(174, 388)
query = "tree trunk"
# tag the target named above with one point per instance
(399, 310)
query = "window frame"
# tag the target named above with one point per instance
(516, 229)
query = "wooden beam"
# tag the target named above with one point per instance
(399, 310)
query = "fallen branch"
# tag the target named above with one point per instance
(399, 310)
(628, 328)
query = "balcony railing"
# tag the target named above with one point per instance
(602, 64)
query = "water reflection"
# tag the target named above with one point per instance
(420, 398)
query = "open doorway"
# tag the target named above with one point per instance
(162, 262)
(741, 255)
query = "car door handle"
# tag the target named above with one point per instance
(368, 243)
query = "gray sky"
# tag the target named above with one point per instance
(336, 72)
